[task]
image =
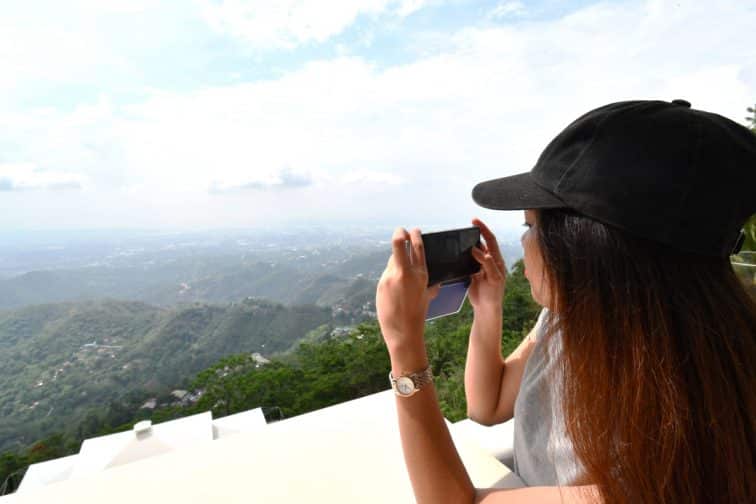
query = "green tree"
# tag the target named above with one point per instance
(51, 447)
(224, 384)
(12, 469)
(342, 368)
(13, 465)
(520, 310)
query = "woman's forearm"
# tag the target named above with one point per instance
(435, 468)
(484, 367)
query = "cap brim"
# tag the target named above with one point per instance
(518, 192)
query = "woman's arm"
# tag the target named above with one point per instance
(491, 383)
(435, 469)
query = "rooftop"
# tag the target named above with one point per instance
(350, 452)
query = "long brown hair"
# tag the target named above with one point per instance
(659, 352)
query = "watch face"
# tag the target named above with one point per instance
(405, 385)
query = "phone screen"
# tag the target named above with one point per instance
(449, 301)
(448, 254)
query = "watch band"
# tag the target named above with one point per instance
(409, 384)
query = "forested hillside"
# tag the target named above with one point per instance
(202, 279)
(57, 362)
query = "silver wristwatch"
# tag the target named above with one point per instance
(408, 384)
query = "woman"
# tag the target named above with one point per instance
(649, 340)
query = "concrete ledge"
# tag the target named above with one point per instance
(497, 440)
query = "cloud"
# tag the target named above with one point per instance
(34, 54)
(285, 179)
(59, 54)
(404, 142)
(26, 177)
(509, 8)
(115, 6)
(371, 177)
(287, 24)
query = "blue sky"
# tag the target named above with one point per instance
(235, 113)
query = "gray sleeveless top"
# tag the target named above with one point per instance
(542, 451)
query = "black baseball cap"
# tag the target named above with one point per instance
(658, 170)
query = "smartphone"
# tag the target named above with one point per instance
(448, 256)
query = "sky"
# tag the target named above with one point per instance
(205, 114)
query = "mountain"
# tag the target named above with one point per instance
(326, 275)
(58, 361)
(317, 277)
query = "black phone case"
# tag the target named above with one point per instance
(448, 254)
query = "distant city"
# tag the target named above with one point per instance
(26, 251)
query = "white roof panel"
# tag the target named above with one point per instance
(44, 473)
(103, 452)
(246, 421)
(346, 453)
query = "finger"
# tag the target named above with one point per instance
(492, 245)
(482, 246)
(417, 248)
(479, 254)
(488, 264)
(399, 248)
(488, 236)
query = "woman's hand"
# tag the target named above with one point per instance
(487, 287)
(402, 299)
